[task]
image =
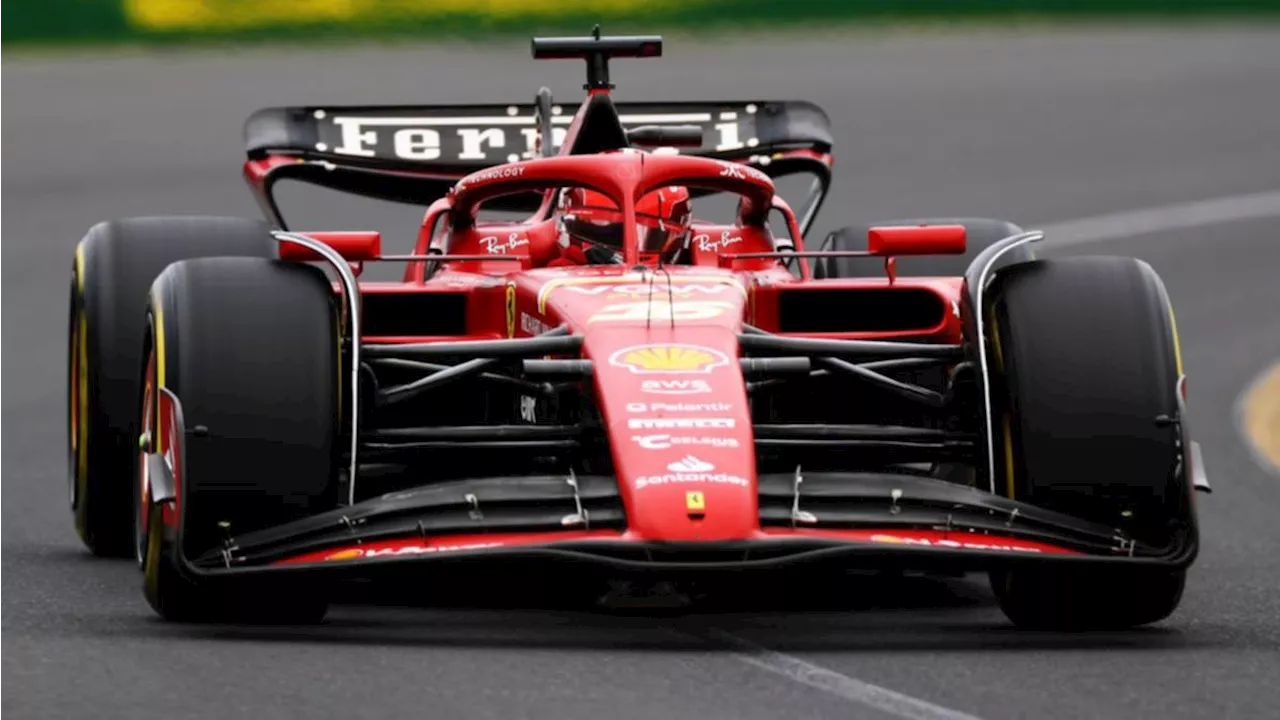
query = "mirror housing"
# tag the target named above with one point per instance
(355, 246)
(916, 240)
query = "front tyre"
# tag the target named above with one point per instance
(1085, 374)
(250, 348)
(111, 274)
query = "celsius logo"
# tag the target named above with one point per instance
(662, 442)
(690, 464)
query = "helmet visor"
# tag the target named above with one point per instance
(654, 235)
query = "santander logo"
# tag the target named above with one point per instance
(690, 470)
(690, 464)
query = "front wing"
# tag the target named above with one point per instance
(852, 520)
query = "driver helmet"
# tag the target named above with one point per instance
(593, 222)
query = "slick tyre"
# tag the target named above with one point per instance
(111, 275)
(250, 348)
(1086, 368)
(980, 233)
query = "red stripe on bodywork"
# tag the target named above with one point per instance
(948, 540)
(416, 546)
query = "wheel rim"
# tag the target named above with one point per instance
(142, 488)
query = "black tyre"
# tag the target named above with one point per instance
(111, 275)
(980, 233)
(250, 347)
(1086, 367)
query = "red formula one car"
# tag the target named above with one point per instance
(615, 383)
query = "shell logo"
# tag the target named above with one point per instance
(892, 540)
(668, 358)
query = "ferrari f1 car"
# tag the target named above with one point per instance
(612, 381)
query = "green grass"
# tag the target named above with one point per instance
(67, 24)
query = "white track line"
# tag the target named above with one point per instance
(865, 693)
(1177, 216)
(1084, 230)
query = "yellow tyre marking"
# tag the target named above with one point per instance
(1177, 345)
(1006, 433)
(80, 268)
(80, 429)
(1261, 415)
(1008, 457)
(158, 316)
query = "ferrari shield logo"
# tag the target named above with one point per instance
(694, 501)
(511, 310)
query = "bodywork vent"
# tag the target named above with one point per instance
(402, 314)
(859, 310)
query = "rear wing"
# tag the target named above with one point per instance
(414, 154)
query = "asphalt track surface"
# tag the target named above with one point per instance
(1040, 128)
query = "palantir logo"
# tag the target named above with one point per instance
(690, 464)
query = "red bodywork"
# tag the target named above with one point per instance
(663, 341)
(664, 345)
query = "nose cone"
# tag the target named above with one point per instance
(680, 431)
(669, 388)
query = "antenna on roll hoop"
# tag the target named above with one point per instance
(597, 50)
(542, 114)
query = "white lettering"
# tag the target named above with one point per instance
(645, 481)
(683, 423)
(966, 545)
(494, 247)
(479, 136)
(706, 244)
(661, 311)
(679, 407)
(645, 290)
(532, 325)
(728, 136)
(493, 174)
(352, 139)
(417, 144)
(663, 442)
(473, 141)
(675, 387)
(731, 170)
(407, 550)
(528, 409)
